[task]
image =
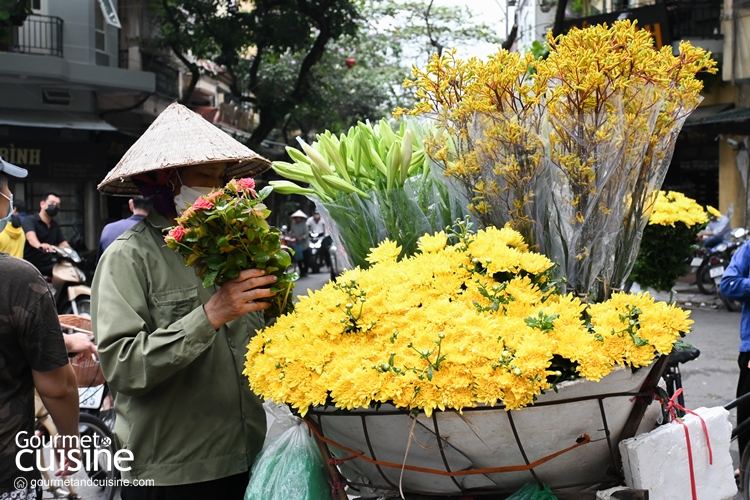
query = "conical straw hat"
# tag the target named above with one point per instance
(178, 138)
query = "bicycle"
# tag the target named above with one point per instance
(99, 438)
(97, 415)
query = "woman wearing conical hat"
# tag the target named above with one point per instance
(171, 350)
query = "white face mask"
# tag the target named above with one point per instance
(189, 195)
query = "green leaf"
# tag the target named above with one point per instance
(263, 193)
(215, 262)
(283, 258)
(241, 261)
(261, 257)
(232, 273)
(222, 243)
(209, 279)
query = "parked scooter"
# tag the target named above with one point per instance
(67, 284)
(718, 261)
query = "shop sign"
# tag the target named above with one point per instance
(57, 160)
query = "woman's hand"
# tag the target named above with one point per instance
(237, 297)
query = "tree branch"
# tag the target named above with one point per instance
(433, 41)
(559, 26)
(191, 66)
(508, 43)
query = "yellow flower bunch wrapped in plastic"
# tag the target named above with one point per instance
(569, 149)
(469, 319)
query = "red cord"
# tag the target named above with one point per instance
(671, 405)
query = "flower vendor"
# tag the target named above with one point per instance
(171, 350)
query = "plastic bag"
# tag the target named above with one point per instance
(533, 492)
(290, 467)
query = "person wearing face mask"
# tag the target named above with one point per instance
(32, 356)
(12, 239)
(173, 351)
(43, 232)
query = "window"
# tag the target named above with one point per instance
(110, 13)
(100, 32)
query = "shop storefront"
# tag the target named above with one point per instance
(69, 163)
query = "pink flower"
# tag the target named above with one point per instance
(215, 194)
(202, 204)
(247, 183)
(177, 233)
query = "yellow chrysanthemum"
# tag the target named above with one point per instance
(436, 331)
(387, 251)
(432, 243)
(713, 211)
(673, 206)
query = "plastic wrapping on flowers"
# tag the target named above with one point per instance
(373, 184)
(423, 205)
(571, 149)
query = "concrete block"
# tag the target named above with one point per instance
(658, 461)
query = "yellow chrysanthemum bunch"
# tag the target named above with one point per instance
(673, 206)
(453, 326)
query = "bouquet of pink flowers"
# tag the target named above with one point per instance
(226, 232)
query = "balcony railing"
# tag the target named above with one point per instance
(39, 35)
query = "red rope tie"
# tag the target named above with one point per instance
(671, 405)
(337, 461)
(581, 441)
(336, 486)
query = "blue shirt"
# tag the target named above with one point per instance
(735, 285)
(114, 229)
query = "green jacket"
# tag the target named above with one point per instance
(183, 407)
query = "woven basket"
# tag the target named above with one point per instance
(86, 366)
(75, 324)
(88, 370)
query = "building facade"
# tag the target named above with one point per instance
(80, 81)
(710, 154)
(53, 70)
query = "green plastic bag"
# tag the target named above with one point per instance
(533, 492)
(290, 467)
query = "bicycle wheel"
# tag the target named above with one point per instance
(101, 438)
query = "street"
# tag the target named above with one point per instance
(708, 381)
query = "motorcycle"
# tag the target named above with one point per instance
(719, 259)
(320, 247)
(67, 283)
(699, 264)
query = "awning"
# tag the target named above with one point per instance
(53, 119)
(733, 121)
(740, 115)
(702, 112)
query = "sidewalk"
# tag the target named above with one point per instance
(685, 294)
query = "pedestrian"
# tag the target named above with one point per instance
(42, 233)
(140, 208)
(20, 208)
(32, 356)
(299, 230)
(173, 351)
(735, 285)
(12, 239)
